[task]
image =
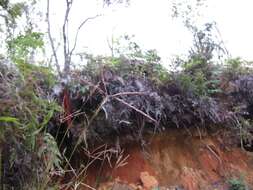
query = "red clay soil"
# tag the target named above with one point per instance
(178, 159)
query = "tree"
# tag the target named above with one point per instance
(20, 41)
(207, 41)
(9, 13)
(67, 49)
(199, 71)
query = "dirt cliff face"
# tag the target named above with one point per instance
(190, 160)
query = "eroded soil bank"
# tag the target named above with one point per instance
(178, 159)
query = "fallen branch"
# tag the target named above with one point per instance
(137, 110)
(128, 93)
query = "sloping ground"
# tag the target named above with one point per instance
(178, 160)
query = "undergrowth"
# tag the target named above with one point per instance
(108, 98)
(26, 109)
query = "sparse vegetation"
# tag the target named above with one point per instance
(237, 184)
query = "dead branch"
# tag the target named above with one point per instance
(95, 87)
(214, 153)
(127, 93)
(137, 110)
(78, 30)
(85, 185)
(103, 81)
(110, 43)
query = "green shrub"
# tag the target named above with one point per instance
(20, 48)
(237, 184)
(26, 112)
(195, 64)
(236, 66)
(148, 66)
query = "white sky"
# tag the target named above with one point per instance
(151, 23)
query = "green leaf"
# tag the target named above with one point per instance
(7, 119)
(16, 10)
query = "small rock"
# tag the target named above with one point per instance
(148, 181)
